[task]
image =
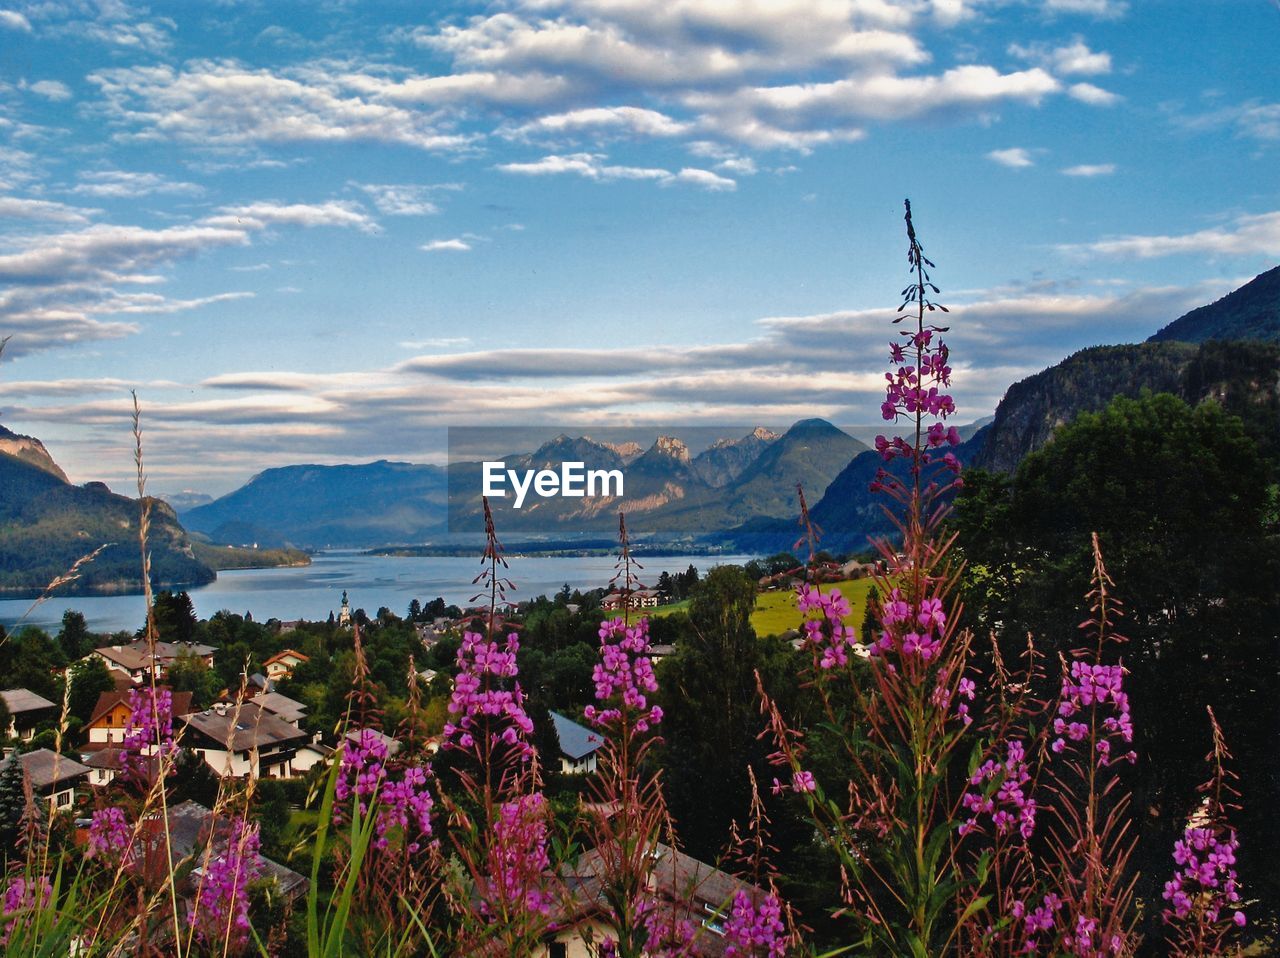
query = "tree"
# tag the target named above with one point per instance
(415, 610)
(89, 677)
(13, 802)
(75, 638)
(711, 717)
(189, 673)
(175, 616)
(1179, 498)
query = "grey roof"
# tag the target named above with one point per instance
(686, 889)
(291, 710)
(136, 655)
(24, 700)
(576, 741)
(189, 825)
(44, 768)
(244, 727)
(393, 746)
(108, 758)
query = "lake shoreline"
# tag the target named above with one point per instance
(371, 582)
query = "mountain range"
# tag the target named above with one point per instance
(668, 490)
(740, 491)
(47, 525)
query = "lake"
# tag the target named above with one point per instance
(312, 592)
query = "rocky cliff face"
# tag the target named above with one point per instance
(30, 450)
(1033, 408)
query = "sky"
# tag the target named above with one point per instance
(324, 231)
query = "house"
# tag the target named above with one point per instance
(190, 828)
(640, 598)
(26, 710)
(310, 755)
(578, 745)
(109, 722)
(392, 745)
(681, 887)
(244, 741)
(53, 777)
(282, 707)
(281, 665)
(137, 661)
(104, 765)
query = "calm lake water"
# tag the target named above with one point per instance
(371, 582)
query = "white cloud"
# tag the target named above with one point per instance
(224, 104)
(401, 199)
(13, 207)
(13, 20)
(1093, 95)
(1090, 169)
(50, 90)
(1101, 9)
(1073, 59)
(110, 252)
(437, 342)
(592, 167)
(121, 184)
(820, 107)
(1261, 121)
(1252, 119)
(1015, 157)
(446, 246)
(627, 119)
(784, 369)
(705, 179)
(1245, 236)
(256, 216)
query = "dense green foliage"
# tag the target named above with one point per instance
(1251, 312)
(1182, 502)
(47, 525)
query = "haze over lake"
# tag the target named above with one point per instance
(311, 592)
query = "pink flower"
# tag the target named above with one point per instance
(486, 700)
(803, 782)
(755, 930)
(220, 911)
(624, 672)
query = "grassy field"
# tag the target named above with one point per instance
(776, 611)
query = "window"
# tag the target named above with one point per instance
(64, 799)
(557, 949)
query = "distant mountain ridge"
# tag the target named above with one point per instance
(668, 491)
(30, 450)
(313, 506)
(1201, 355)
(1250, 312)
(748, 483)
(47, 525)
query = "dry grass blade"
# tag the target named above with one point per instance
(67, 577)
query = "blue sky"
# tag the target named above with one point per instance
(320, 232)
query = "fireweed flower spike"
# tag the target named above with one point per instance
(901, 714)
(484, 714)
(755, 930)
(220, 912)
(109, 833)
(1203, 904)
(149, 737)
(624, 671)
(403, 800)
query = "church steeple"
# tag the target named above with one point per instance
(344, 614)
